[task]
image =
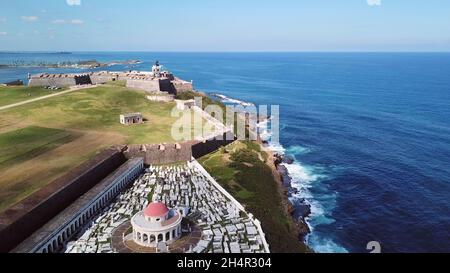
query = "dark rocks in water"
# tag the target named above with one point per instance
(288, 159)
(303, 211)
(283, 170)
(303, 229)
(291, 208)
(287, 180)
(292, 191)
(278, 159)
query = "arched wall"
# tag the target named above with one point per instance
(56, 242)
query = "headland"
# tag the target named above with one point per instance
(86, 200)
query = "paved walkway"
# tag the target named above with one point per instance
(71, 89)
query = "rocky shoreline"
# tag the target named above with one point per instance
(299, 212)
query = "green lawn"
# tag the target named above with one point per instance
(42, 140)
(10, 95)
(22, 144)
(98, 109)
(24, 162)
(239, 169)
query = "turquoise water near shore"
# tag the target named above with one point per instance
(370, 133)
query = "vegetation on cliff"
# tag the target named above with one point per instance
(206, 101)
(241, 169)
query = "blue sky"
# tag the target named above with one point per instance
(231, 25)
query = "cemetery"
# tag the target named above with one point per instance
(222, 224)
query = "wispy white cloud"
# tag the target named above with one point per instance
(76, 22)
(374, 2)
(29, 18)
(73, 22)
(2, 19)
(73, 2)
(59, 21)
(3, 33)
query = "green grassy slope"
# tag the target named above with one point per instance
(241, 170)
(11, 95)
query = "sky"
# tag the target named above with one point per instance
(225, 25)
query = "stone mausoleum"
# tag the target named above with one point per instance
(155, 225)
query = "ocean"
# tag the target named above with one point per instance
(370, 133)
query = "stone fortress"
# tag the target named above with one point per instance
(134, 198)
(155, 81)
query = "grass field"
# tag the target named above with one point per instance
(10, 95)
(21, 149)
(241, 170)
(42, 140)
(98, 109)
(22, 144)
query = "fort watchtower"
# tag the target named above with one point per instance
(156, 70)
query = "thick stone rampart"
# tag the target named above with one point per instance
(146, 85)
(24, 218)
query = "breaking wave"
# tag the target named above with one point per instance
(229, 100)
(322, 202)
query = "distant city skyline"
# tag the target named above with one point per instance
(204, 25)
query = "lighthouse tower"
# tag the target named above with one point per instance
(156, 69)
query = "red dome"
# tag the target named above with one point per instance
(156, 210)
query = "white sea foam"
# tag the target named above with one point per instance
(297, 150)
(324, 245)
(304, 178)
(226, 99)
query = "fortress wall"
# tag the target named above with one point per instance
(60, 82)
(200, 149)
(154, 156)
(167, 86)
(181, 86)
(149, 86)
(23, 219)
(100, 79)
(58, 231)
(171, 84)
(83, 79)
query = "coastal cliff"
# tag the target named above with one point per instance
(249, 173)
(281, 176)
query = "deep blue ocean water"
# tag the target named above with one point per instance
(370, 132)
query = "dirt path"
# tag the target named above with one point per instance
(71, 89)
